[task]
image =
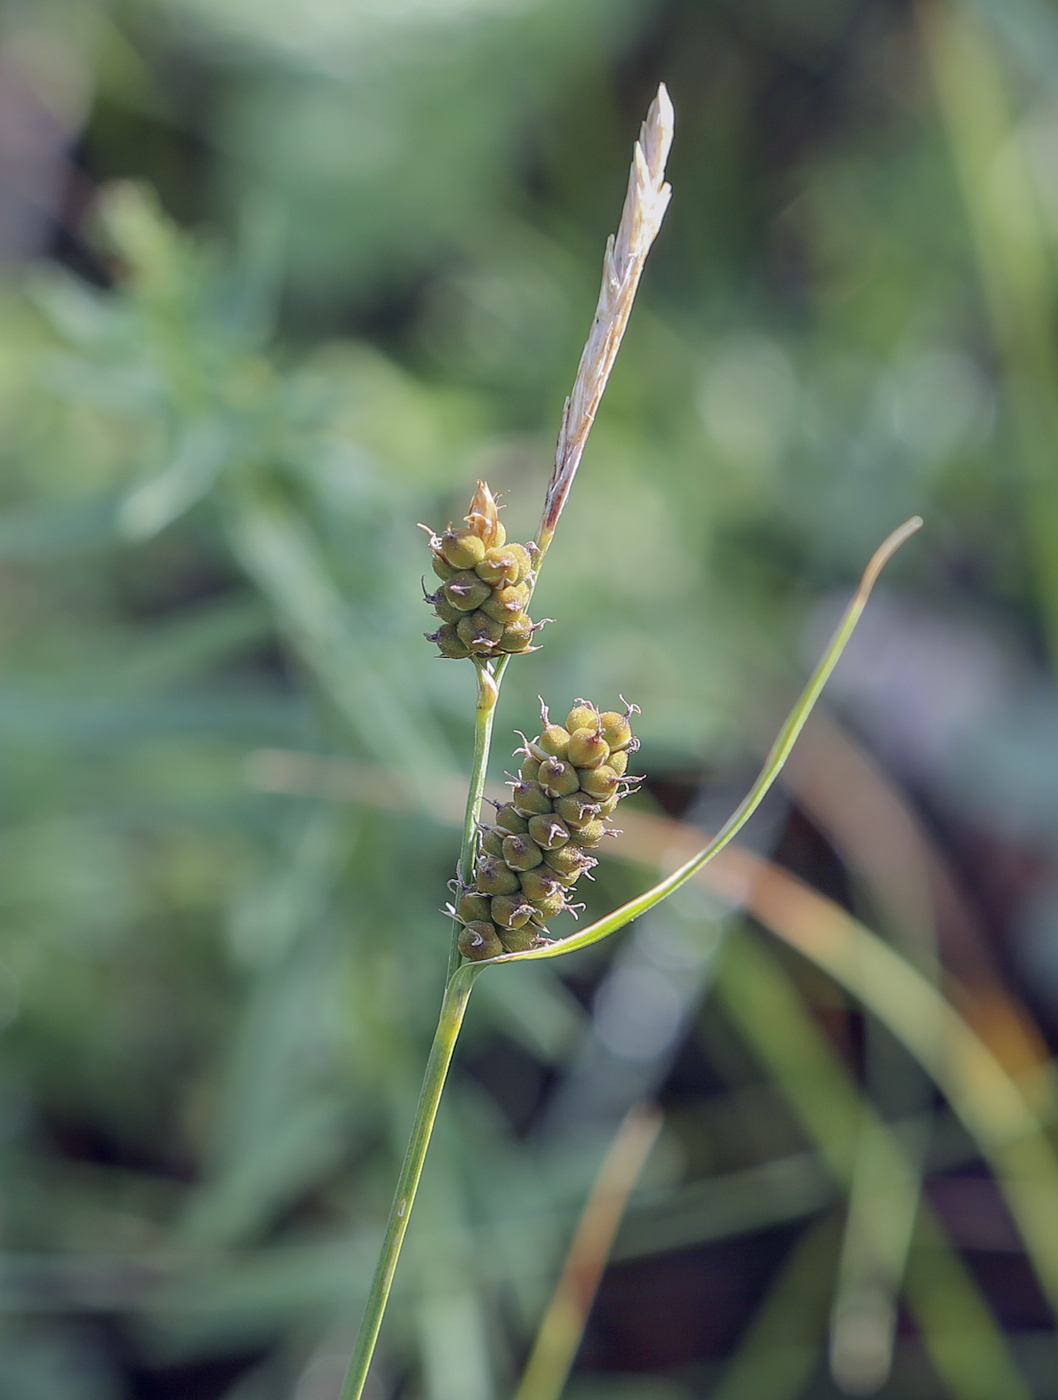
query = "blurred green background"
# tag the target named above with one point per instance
(281, 280)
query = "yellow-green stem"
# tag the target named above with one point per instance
(453, 1007)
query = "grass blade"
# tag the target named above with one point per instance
(777, 756)
(563, 1323)
(842, 1121)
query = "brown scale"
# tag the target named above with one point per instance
(485, 586)
(571, 779)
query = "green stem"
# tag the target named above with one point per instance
(453, 1008)
(460, 980)
(484, 715)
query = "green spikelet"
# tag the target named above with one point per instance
(576, 809)
(518, 940)
(511, 911)
(529, 772)
(548, 832)
(494, 876)
(491, 842)
(568, 862)
(537, 849)
(518, 634)
(510, 820)
(486, 584)
(474, 908)
(558, 779)
(522, 852)
(480, 940)
(530, 800)
(448, 642)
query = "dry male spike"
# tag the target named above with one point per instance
(537, 848)
(486, 584)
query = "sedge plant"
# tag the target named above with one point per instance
(517, 872)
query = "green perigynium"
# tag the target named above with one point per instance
(537, 847)
(485, 586)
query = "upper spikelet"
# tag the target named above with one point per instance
(571, 779)
(485, 585)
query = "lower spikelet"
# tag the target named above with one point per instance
(485, 586)
(571, 778)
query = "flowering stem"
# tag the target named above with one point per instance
(453, 1008)
(644, 208)
(484, 715)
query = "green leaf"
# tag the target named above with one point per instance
(777, 756)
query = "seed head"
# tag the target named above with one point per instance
(554, 740)
(483, 574)
(445, 610)
(545, 909)
(615, 728)
(517, 635)
(538, 847)
(524, 560)
(511, 911)
(506, 604)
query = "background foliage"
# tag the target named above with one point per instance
(280, 281)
